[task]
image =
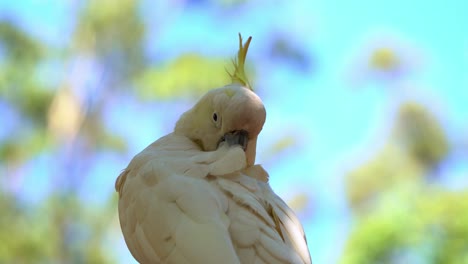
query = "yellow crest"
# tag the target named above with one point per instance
(239, 74)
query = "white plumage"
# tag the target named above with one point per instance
(172, 210)
(195, 195)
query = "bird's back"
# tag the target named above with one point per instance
(173, 210)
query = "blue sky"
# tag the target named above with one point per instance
(336, 123)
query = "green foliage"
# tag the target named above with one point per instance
(17, 148)
(391, 168)
(385, 59)
(414, 227)
(421, 134)
(53, 232)
(400, 218)
(19, 47)
(418, 145)
(189, 74)
(101, 138)
(20, 87)
(18, 83)
(113, 32)
(20, 243)
(62, 229)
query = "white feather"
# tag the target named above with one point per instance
(179, 205)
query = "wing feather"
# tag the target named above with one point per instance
(169, 217)
(261, 222)
(292, 226)
(173, 211)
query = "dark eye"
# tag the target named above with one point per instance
(215, 117)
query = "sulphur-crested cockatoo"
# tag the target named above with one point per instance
(195, 196)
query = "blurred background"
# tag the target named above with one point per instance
(367, 117)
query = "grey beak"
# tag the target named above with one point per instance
(238, 137)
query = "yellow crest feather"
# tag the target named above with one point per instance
(239, 74)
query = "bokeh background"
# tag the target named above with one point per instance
(367, 117)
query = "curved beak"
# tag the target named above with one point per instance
(237, 137)
(241, 137)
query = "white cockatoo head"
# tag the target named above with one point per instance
(232, 114)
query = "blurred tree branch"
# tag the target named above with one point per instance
(401, 218)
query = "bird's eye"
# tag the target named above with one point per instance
(215, 117)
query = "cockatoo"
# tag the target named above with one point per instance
(196, 196)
